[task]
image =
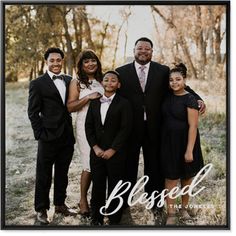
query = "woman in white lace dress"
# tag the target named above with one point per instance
(83, 89)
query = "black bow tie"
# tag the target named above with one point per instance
(58, 77)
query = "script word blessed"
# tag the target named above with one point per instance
(150, 201)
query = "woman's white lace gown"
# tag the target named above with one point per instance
(82, 144)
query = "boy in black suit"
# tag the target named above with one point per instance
(52, 127)
(107, 127)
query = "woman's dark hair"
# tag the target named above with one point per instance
(181, 68)
(114, 72)
(82, 76)
(53, 50)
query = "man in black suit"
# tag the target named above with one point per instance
(144, 83)
(52, 127)
(107, 128)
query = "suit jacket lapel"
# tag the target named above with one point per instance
(149, 76)
(97, 111)
(111, 107)
(134, 77)
(67, 83)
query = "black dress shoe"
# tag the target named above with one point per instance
(42, 217)
(64, 210)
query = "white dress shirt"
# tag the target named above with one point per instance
(104, 107)
(60, 85)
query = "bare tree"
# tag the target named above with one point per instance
(87, 29)
(77, 24)
(70, 57)
(179, 38)
(160, 39)
(125, 15)
(104, 34)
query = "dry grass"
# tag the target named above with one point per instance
(212, 92)
(21, 159)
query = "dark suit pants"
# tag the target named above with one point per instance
(59, 154)
(152, 167)
(105, 172)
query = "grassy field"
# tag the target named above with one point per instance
(21, 149)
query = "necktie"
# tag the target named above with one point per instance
(57, 77)
(142, 77)
(103, 100)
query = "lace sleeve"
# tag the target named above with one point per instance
(191, 102)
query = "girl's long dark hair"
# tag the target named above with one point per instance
(82, 76)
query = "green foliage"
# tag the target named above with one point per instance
(31, 29)
(28, 30)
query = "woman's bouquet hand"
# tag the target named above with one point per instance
(94, 95)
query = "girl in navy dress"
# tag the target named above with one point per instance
(181, 151)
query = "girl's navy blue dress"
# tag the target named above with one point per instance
(175, 138)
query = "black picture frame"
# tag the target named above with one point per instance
(4, 226)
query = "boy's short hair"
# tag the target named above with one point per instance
(114, 72)
(53, 50)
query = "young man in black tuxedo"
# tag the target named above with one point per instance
(144, 84)
(52, 127)
(108, 124)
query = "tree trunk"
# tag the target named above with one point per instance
(126, 15)
(161, 57)
(65, 60)
(103, 39)
(41, 68)
(125, 46)
(87, 30)
(12, 77)
(180, 40)
(70, 56)
(116, 45)
(31, 74)
(34, 71)
(77, 22)
(217, 30)
(184, 47)
(201, 44)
